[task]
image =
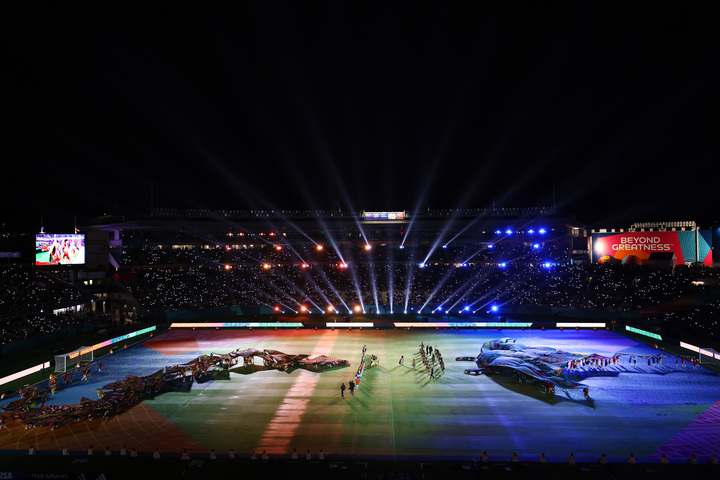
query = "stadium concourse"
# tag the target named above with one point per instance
(399, 412)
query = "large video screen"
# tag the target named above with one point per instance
(636, 247)
(59, 249)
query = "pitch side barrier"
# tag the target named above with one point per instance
(706, 355)
(75, 354)
(388, 325)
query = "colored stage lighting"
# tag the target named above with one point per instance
(368, 247)
(319, 248)
(303, 308)
(536, 246)
(494, 308)
(542, 231)
(266, 266)
(508, 232)
(357, 309)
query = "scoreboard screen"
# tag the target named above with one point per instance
(59, 249)
(384, 215)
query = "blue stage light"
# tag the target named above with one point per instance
(542, 231)
(508, 232)
(536, 246)
(494, 308)
(503, 265)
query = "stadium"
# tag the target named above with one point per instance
(479, 342)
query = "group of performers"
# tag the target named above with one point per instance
(115, 397)
(429, 357)
(31, 409)
(361, 367)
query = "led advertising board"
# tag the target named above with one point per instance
(384, 215)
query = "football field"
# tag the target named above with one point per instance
(397, 412)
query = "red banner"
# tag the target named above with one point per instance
(636, 247)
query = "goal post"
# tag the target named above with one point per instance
(709, 356)
(68, 361)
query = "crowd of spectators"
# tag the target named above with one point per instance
(400, 279)
(34, 302)
(382, 279)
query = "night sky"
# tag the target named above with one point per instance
(608, 109)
